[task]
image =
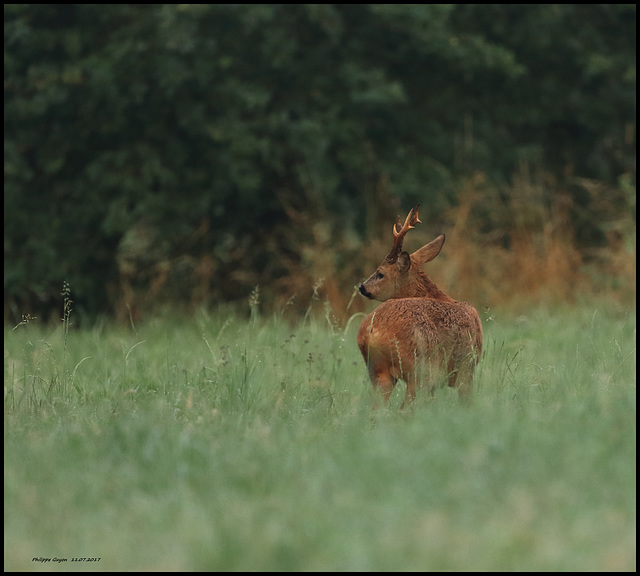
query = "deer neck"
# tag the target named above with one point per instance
(421, 286)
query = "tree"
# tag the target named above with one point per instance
(226, 131)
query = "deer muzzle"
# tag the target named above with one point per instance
(365, 292)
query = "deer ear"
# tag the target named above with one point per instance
(429, 251)
(404, 261)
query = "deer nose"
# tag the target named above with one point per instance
(364, 291)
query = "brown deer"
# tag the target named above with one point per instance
(418, 333)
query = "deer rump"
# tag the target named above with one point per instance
(422, 341)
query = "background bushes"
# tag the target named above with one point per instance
(188, 153)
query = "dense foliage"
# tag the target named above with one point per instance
(172, 146)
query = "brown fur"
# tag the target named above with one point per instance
(418, 333)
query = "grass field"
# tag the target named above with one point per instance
(223, 443)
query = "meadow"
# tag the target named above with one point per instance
(227, 442)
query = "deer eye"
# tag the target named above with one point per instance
(379, 275)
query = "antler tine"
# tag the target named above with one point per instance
(399, 233)
(409, 222)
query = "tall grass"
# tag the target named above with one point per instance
(222, 443)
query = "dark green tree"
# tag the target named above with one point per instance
(210, 129)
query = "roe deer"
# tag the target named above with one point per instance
(418, 333)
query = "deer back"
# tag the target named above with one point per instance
(403, 331)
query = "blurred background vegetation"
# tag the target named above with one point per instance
(185, 154)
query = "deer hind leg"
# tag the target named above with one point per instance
(461, 377)
(382, 381)
(452, 373)
(410, 394)
(425, 377)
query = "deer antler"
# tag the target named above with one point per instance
(399, 233)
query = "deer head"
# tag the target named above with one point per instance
(399, 275)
